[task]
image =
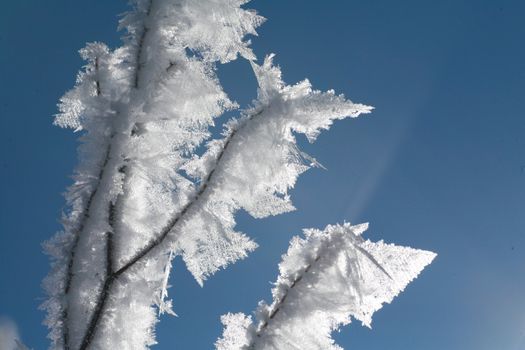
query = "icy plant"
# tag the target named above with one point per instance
(325, 279)
(142, 194)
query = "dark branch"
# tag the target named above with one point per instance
(99, 308)
(108, 281)
(175, 219)
(76, 235)
(280, 304)
(109, 244)
(178, 216)
(97, 82)
(139, 63)
(140, 48)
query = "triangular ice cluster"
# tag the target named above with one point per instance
(326, 279)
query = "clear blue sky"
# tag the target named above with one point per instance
(439, 165)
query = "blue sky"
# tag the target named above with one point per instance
(439, 164)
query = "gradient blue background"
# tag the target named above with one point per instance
(439, 165)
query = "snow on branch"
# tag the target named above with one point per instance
(259, 164)
(325, 279)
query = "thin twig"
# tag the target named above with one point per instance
(78, 232)
(103, 297)
(97, 82)
(140, 48)
(280, 304)
(177, 217)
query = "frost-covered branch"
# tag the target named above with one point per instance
(140, 46)
(94, 53)
(71, 257)
(324, 281)
(143, 196)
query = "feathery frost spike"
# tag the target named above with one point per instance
(255, 165)
(325, 279)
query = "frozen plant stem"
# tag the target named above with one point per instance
(84, 217)
(140, 50)
(278, 306)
